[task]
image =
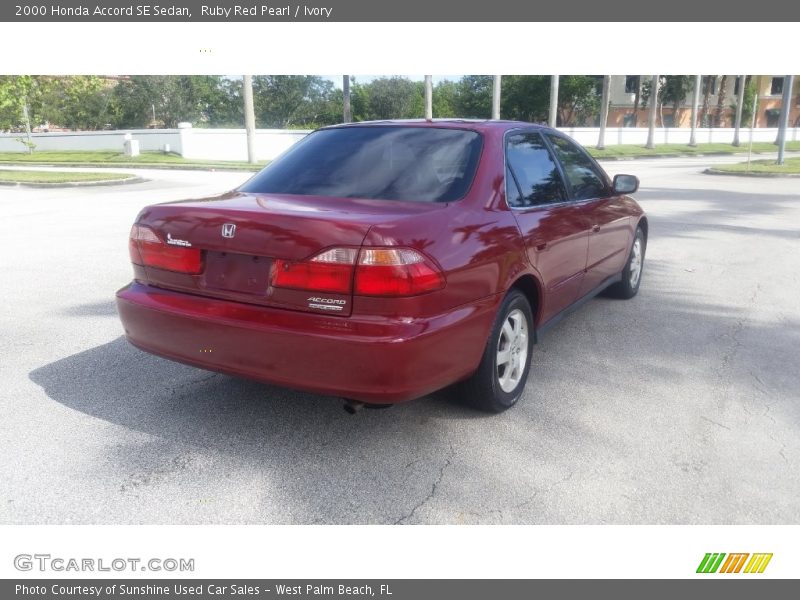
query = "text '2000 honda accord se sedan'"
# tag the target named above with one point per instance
(382, 261)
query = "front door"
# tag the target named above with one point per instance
(605, 215)
(554, 228)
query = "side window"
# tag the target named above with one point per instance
(535, 170)
(584, 179)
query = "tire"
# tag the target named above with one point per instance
(496, 387)
(632, 273)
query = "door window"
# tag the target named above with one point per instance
(534, 170)
(582, 174)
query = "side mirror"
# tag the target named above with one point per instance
(625, 184)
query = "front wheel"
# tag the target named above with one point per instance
(632, 273)
(500, 379)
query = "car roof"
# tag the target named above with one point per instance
(471, 124)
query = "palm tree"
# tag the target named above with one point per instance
(721, 100)
(601, 142)
(636, 100)
(249, 118)
(739, 106)
(553, 121)
(348, 115)
(695, 99)
(428, 96)
(651, 133)
(496, 96)
(706, 96)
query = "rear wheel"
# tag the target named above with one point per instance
(500, 379)
(632, 273)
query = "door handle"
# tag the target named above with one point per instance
(595, 228)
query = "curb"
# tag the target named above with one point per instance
(750, 174)
(106, 182)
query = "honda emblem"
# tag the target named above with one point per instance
(228, 230)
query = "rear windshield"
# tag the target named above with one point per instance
(383, 163)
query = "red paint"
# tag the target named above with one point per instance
(353, 343)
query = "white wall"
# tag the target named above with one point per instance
(149, 139)
(674, 135)
(230, 144)
(204, 144)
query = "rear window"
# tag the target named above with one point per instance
(382, 163)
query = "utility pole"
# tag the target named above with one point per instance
(601, 142)
(347, 117)
(428, 97)
(249, 118)
(553, 120)
(786, 108)
(651, 131)
(496, 97)
(739, 106)
(698, 79)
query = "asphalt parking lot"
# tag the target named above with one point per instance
(680, 406)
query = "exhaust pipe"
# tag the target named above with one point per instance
(354, 406)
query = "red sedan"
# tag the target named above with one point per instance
(383, 261)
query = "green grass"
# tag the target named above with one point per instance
(629, 150)
(117, 159)
(791, 166)
(57, 176)
(161, 160)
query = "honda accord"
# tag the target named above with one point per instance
(382, 261)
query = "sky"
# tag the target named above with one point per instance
(337, 79)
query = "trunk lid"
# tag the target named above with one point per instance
(241, 235)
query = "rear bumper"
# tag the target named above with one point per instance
(368, 359)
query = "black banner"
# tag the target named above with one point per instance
(734, 588)
(405, 11)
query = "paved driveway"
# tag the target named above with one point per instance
(680, 406)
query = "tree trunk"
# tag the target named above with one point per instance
(27, 118)
(651, 133)
(721, 101)
(601, 142)
(429, 97)
(695, 99)
(637, 99)
(739, 107)
(553, 120)
(347, 115)
(249, 118)
(496, 84)
(706, 95)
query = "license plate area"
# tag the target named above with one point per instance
(241, 273)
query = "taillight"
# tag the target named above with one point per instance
(147, 249)
(395, 272)
(331, 271)
(376, 272)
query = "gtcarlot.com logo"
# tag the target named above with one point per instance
(734, 563)
(58, 564)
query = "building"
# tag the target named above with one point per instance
(622, 94)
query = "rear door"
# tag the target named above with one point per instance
(605, 215)
(554, 228)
